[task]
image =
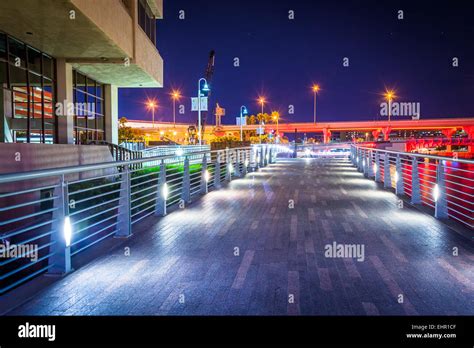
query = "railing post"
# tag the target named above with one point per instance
(238, 171)
(186, 191)
(415, 182)
(377, 166)
(261, 159)
(204, 175)
(441, 203)
(387, 176)
(366, 163)
(162, 191)
(124, 223)
(217, 171)
(370, 165)
(230, 166)
(360, 161)
(60, 261)
(399, 186)
(245, 163)
(265, 158)
(270, 155)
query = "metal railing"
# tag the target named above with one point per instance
(53, 215)
(442, 183)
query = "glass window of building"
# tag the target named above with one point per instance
(89, 123)
(147, 20)
(27, 76)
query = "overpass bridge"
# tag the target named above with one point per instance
(245, 231)
(447, 125)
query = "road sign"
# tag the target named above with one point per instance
(194, 104)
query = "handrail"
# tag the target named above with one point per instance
(419, 155)
(60, 221)
(41, 173)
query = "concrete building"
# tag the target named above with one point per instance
(62, 61)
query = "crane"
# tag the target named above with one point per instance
(208, 75)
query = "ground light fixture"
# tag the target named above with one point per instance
(207, 176)
(246, 163)
(165, 191)
(375, 168)
(67, 229)
(436, 192)
(231, 168)
(396, 177)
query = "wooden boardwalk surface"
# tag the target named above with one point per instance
(257, 247)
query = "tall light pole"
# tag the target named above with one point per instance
(316, 89)
(205, 88)
(276, 118)
(175, 95)
(152, 104)
(243, 111)
(262, 102)
(389, 97)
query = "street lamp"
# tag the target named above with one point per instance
(205, 88)
(276, 118)
(389, 96)
(152, 104)
(175, 95)
(262, 102)
(315, 89)
(243, 111)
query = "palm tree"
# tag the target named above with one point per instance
(252, 119)
(260, 117)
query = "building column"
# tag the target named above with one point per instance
(65, 113)
(111, 113)
(386, 133)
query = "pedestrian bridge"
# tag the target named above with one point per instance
(246, 232)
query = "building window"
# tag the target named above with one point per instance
(147, 20)
(89, 122)
(27, 84)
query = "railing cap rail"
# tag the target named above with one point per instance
(43, 173)
(419, 155)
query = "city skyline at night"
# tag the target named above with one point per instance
(353, 52)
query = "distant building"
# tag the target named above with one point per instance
(62, 61)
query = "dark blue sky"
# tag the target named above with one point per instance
(281, 58)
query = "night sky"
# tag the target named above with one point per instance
(281, 58)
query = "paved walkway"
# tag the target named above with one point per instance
(185, 263)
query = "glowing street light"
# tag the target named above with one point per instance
(276, 117)
(175, 96)
(315, 89)
(152, 104)
(262, 101)
(389, 96)
(243, 111)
